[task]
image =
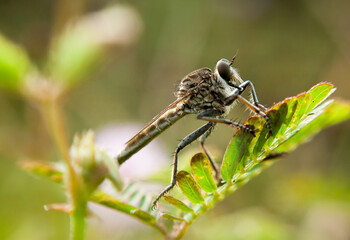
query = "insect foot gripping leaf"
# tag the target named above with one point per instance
(294, 121)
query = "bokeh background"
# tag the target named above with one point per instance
(285, 47)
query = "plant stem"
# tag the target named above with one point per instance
(182, 231)
(53, 117)
(77, 197)
(77, 222)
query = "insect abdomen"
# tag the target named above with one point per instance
(147, 134)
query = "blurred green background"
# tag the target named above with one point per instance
(285, 47)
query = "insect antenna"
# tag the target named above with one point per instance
(234, 58)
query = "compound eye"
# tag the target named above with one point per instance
(224, 70)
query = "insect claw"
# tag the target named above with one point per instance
(160, 195)
(154, 205)
(155, 202)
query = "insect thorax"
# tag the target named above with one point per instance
(200, 89)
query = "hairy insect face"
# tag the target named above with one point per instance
(228, 73)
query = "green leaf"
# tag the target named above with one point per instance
(43, 169)
(172, 218)
(116, 204)
(201, 170)
(261, 136)
(293, 121)
(257, 124)
(278, 119)
(145, 202)
(292, 104)
(319, 93)
(334, 113)
(111, 202)
(73, 55)
(234, 154)
(136, 197)
(189, 187)
(144, 216)
(76, 52)
(303, 104)
(14, 65)
(178, 204)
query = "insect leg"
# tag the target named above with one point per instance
(229, 123)
(257, 110)
(201, 142)
(184, 142)
(247, 83)
(209, 113)
(256, 107)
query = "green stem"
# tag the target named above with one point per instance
(77, 198)
(182, 231)
(53, 117)
(78, 223)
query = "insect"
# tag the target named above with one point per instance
(208, 94)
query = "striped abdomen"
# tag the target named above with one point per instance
(148, 133)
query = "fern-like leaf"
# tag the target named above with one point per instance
(294, 121)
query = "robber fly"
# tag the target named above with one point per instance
(207, 94)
